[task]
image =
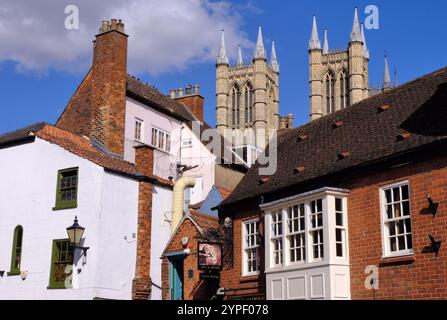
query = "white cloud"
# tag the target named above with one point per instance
(163, 35)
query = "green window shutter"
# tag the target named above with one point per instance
(61, 258)
(67, 189)
(16, 256)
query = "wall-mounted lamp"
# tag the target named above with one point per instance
(75, 233)
(435, 244)
(433, 206)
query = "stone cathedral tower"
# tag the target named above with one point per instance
(247, 95)
(338, 78)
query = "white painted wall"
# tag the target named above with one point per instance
(107, 208)
(198, 155)
(161, 233)
(164, 163)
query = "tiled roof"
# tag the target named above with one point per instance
(206, 222)
(82, 147)
(415, 117)
(224, 193)
(152, 96)
(22, 133)
(79, 145)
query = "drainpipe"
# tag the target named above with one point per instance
(177, 201)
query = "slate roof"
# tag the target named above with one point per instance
(404, 119)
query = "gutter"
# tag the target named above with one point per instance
(18, 141)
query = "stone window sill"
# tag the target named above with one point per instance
(397, 260)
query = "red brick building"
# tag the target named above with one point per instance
(357, 208)
(180, 259)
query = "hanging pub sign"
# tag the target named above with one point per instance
(210, 256)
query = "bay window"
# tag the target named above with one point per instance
(308, 230)
(306, 251)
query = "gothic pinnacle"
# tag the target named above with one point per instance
(355, 34)
(259, 50)
(222, 57)
(273, 60)
(314, 42)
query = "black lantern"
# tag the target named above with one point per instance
(75, 233)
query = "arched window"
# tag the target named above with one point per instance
(344, 90)
(235, 103)
(329, 80)
(16, 258)
(248, 95)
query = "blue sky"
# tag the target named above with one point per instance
(412, 34)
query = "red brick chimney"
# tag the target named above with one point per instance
(142, 284)
(108, 91)
(192, 100)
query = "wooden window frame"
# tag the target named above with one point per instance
(387, 253)
(52, 283)
(15, 270)
(60, 205)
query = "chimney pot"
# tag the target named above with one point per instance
(120, 26)
(188, 90)
(105, 26)
(180, 92)
(172, 93)
(113, 24)
(196, 89)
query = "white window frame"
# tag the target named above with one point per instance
(328, 197)
(165, 144)
(386, 251)
(320, 229)
(141, 133)
(277, 237)
(299, 232)
(245, 249)
(342, 228)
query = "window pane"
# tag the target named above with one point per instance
(339, 235)
(396, 194)
(388, 196)
(405, 193)
(406, 208)
(339, 219)
(409, 241)
(338, 205)
(339, 248)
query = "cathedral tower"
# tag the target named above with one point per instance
(247, 94)
(337, 78)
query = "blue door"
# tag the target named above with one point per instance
(176, 277)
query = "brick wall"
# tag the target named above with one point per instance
(141, 286)
(232, 277)
(97, 109)
(77, 114)
(194, 103)
(193, 287)
(421, 276)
